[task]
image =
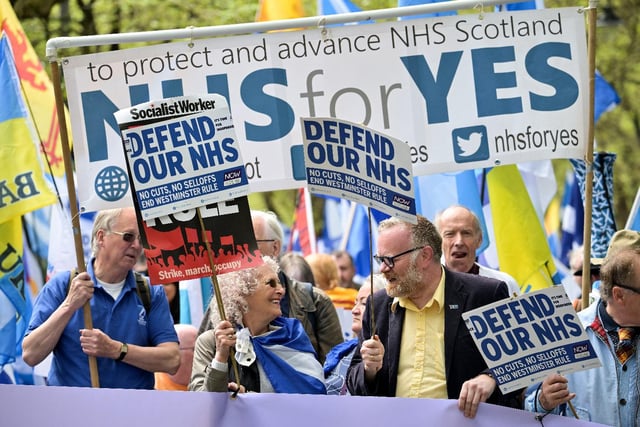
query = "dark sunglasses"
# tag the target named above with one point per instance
(126, 236)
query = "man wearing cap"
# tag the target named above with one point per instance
(608, 394)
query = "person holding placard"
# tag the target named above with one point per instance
(129, 341)
(272, 352)
(419, 345)
(608, 394)
(301, 300)
(461, 236)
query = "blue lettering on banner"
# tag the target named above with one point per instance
(509, 337)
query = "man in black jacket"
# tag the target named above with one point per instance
(421, 346)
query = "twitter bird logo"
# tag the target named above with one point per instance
(470, 144)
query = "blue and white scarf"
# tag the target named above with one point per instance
(286, 356)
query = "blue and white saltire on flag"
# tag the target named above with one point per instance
(434, 193)
(605, 97)
(633, 222)
(525, 5)
(572, 221)
(334, 7)
(194, 300)
(403, 3)
(603, 224)
(288, 358)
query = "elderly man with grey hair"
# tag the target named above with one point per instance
(129, 342)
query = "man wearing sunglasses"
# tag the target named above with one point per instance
(129, 342)
(420, 346)
(609, 394)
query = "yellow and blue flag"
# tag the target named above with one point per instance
(23, 186)
(521, 242)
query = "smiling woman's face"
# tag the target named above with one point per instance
(264, 302)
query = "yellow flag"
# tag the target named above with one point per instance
(12, 301)
(273, 10)
(521, 243)
(38, 89)
(23, 187)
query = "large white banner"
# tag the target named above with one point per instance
(463, 91)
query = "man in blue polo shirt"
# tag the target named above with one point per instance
(129, 341)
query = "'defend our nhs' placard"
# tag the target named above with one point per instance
(525, 338)
(353, 162)
(182, 153)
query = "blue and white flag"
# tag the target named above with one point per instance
(572, 221)
(434, 193)
(633, 222)
(605, 97)
(403, 3)
(288, 359)
(603, 223)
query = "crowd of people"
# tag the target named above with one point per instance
(275, 327)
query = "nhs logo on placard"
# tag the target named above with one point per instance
(401, 202)
(233, 177)
(470, 144)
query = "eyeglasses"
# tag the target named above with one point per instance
(265, 240)
(126, 236)
(390, 261)
(634, 290)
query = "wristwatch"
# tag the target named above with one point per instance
(124, 348)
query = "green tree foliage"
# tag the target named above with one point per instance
(617, 58)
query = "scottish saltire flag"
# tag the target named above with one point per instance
(284, 348)
(273, 10)
(402, 3)
(525, 5)
(434, 193)
(603, 223)
(633, 222)
(572, 222)
(605, 99)
(520, 239)
(37, 86)
(195, 295)
(333, 7)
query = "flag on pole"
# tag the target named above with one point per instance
(403, 3)
(303, 236)
(12, 301)
(603, 223)
(606, 98)
(516, 226)
(633, 222)
(38, 89)
(435, 193)
(274, 10)
(25, 187)
(572, 218)
(334, 7)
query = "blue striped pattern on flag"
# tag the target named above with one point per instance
(289, 360)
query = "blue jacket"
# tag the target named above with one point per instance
(606, 395)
